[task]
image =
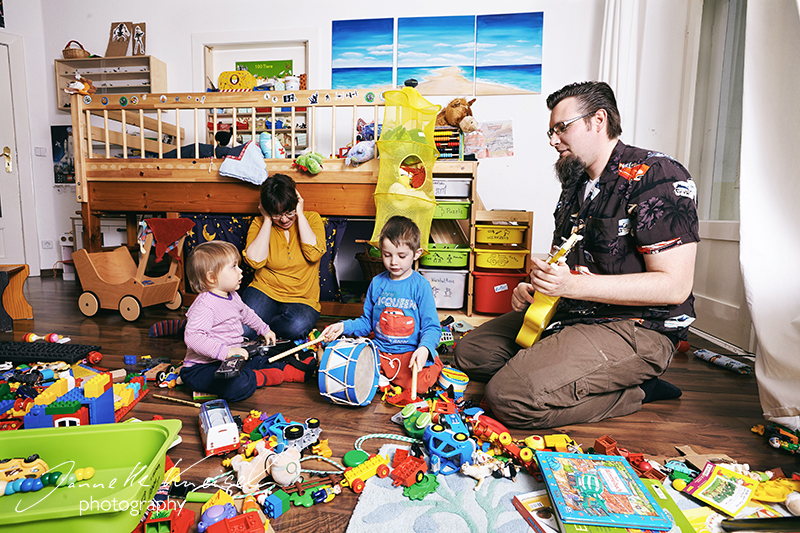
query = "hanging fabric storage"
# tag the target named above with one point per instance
(407, 155)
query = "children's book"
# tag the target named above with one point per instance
(536, 509)
(601, 490)
(679, 522)
(723, 489)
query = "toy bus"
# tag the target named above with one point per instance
(217, 428)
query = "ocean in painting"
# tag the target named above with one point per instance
(361, 78)
(525, 77)
(421, 73)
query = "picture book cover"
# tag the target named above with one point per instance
(599, 490)
(679, 522)
(536, 509)
(723, 489)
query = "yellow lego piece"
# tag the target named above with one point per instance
(96, 386)
(219, 498)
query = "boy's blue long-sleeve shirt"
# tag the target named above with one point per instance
(401, 313)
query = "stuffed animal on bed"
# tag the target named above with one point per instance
(360, 153)
(454, 113)
(265, 143)
(310, 162)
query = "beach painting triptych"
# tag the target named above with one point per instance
(458, 55)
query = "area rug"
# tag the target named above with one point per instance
(455, 506)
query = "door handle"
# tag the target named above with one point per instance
(7, 156)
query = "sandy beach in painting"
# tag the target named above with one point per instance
(450, 81)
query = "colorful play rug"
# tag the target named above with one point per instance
(455, 506)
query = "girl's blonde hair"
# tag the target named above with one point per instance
(205, 262)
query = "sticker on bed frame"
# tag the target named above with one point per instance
(123, 101)
(163, 98)
(313, 99)
(87, 99)
(369, 97)
(104, 100)
(134, 100)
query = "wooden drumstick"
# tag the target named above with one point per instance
(179, 400)
(414, 381)
(295, 349)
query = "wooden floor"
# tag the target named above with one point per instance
(715, 413)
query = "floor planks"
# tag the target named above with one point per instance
(715, 413)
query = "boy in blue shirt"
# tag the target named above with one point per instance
(400, 310)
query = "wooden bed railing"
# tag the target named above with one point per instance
(109, 183)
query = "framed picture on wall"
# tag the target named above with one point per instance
(63, 154)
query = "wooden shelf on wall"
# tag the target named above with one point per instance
(111, 75)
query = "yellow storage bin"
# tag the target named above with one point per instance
(500, 257)
(499, 234)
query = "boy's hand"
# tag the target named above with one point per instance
(333, 331)
(236, 351)
(269, 338)
(419, 357)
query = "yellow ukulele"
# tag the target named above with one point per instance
(543, 307)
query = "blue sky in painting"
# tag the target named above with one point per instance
(435, 41)
(512, 39)
(362, 43)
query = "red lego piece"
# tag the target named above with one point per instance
(605, 445)
(243, 523)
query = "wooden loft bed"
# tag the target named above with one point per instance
(125, 185)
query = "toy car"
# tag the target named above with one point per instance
(218, 429)
(356, 476)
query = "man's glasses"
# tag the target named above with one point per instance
(560, 128)
(287, 214)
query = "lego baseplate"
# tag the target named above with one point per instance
(32, 352)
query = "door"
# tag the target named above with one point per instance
(12, 250)
(720, 302)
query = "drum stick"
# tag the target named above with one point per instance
(170, 398)
(414, 381)
(295, 349)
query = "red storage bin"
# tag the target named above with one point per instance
(492, 291)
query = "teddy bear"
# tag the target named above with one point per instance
(454, 112)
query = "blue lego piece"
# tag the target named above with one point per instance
(6, 405)
(276, 504)
(37, 418)
(129, 359)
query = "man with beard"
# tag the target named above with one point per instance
(625, 291)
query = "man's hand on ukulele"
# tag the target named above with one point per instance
(550, 279)
(522, 296)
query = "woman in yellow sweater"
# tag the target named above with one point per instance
(284, 246)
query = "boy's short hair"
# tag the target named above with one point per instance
(207, 257)
(400, 230)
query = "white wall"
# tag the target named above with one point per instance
(572, 33)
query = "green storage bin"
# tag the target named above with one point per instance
(129, 462)
(452, 210)
(446, 255)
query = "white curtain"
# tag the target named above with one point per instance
(619, 57)
(770, 201)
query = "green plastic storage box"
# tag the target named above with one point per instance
(451, 210)
(446, 255)
(129, 462)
